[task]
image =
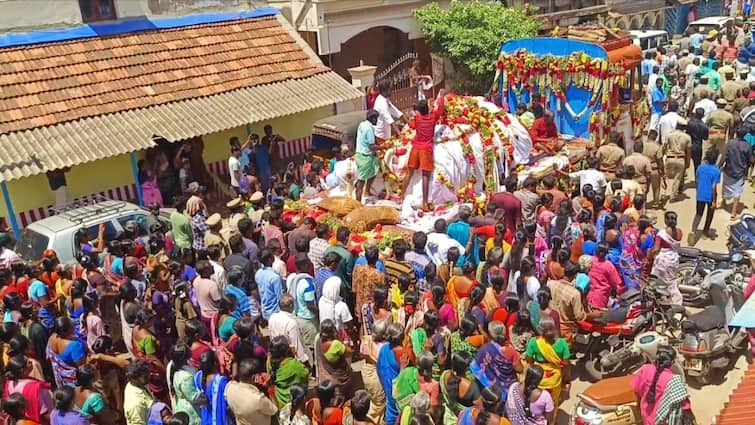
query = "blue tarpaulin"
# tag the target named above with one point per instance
(127, 26)
(577, 98)
(745, 317)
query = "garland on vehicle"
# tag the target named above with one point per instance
(538, 75)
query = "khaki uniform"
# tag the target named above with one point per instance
(719, 123)
(642, 167)
(737, 106)
(729, 90)
(726, 70)
(609, 157)
(652, 151)
(677, 145)
(697, 93)
(211, 238)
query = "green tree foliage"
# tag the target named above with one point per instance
(470, 34)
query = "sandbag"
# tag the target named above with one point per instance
(339, 205)
(366, 218)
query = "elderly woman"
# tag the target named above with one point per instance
(552, 354)
(370, 349)
(496, 363)
(391, 359)
(333, 363)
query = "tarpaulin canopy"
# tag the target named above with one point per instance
(630, 55)
(577, 98)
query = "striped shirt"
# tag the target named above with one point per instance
(394, 269)
(242, 301)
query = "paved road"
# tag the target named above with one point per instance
(706, 401)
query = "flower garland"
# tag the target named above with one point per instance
(523, 70)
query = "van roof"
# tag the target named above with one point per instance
(646, 33)
(83, 216)
(711, 20)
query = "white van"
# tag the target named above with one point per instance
(705, 25)
(649, 40)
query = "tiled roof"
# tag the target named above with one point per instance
(70, 102)
(48, 84)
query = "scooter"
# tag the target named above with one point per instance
(696, 264)
(612, 400)
(708, 343)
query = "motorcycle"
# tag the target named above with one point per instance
(613, 345)
(708, 343)
(696, 264)
(612, 400)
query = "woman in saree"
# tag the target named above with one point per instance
(496, 363)
(325, 409)
(663, 396)
(409, 315)
(527, 403)
(428, 338)
(457, 390)
(489, 269)
(489, 414)
(391, 359)
(459, 287)
(467, 338)
(375, 311)
(284, 369)
(88, 400)
(65, 352)
(195, 334)
(148, 180)
(666, 261)
(161, 305)
(211, 383)
(370, 350)
(551, 353)
(497, 241)
(544, 213)
(332, 361)
(184, 396)
(478, 309)
(129, 307)
(224, 319)
(553, 265)
(631, 261)
(147, 346)
(65, 412)
(37, 393)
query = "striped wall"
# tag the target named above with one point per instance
(289, 149)
(121, 193)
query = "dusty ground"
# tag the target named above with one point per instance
(706, 401)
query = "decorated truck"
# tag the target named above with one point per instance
(589, 79)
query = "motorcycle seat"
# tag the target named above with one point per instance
(710, 318)
(717, 256)
(612, 391)
(618, 315)
(689, 252)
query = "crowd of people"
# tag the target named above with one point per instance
(254, 319)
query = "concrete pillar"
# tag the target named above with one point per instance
(362, 76)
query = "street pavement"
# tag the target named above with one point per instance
(708, 400)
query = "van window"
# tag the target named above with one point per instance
(31, 245)
(143, 220)
(110, 231)
(644, 43)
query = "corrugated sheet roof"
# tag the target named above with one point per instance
(30, 152)
(67, 103)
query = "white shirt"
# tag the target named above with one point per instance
(438, 245)
(589, 176)
(387, 114)
(284, 323)
(533, 285)
(234, 166)
(651, 82)
(707, 105)
(218, 275)
(667, 124)
(690, 72)
(340, 314)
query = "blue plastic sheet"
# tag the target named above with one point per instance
(745, 317)
(127, 26)
(577, 98)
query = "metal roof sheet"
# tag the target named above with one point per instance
(29, 152)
